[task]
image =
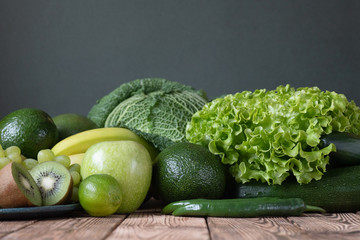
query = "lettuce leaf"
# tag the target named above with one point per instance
(270, 135)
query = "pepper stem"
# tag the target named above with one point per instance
(310, 208)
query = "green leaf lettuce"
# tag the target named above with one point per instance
(269, 135)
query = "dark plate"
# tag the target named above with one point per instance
(37, 212)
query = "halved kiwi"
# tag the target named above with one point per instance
(18, 188)
(26, 184)
(54, 181)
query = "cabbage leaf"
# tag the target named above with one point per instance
(270, 135)
(155, 108)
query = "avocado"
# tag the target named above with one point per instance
(30, 129)
(71, 123)
(187, 171)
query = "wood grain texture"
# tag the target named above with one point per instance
(149, 223)
(310, 226)
(145, 225)
(251, 228)
(326, 226)
(7, 227)
(68, 228)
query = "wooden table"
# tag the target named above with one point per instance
(149, 223)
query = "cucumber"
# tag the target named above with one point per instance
(337, 191)
(347, 148)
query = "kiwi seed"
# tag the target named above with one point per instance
(54, 181)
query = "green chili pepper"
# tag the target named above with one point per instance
(245, 207)
(171, 207)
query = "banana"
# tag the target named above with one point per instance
(80, 142)
(76, 158)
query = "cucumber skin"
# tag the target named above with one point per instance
(347, 148)
(337, 191)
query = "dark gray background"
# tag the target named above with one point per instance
(61, 56)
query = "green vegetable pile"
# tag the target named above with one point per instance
(270, 135)
(155, 108)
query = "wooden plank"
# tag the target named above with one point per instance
(7, 227)
(68, 228)
(311, 226)
(329, 226)
(147, 225)
(150, 224)
(251, 228)
(11, 226)
(336, 222)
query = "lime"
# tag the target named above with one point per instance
(71, 123)
(30, 129)
(186, 171)
(100, 195)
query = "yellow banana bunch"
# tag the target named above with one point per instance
(80, 142)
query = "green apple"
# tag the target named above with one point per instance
(128, 162)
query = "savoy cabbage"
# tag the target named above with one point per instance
(155, 108)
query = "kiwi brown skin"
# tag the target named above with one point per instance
(10, 194)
